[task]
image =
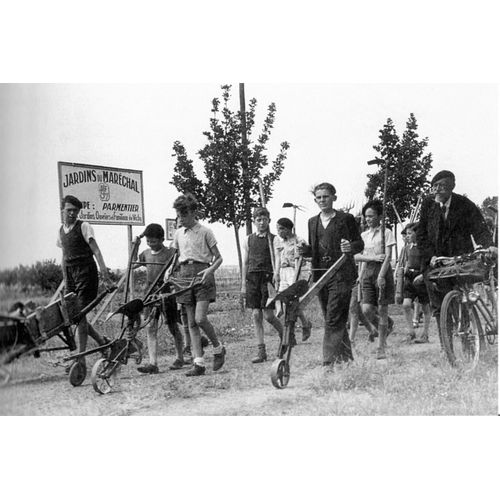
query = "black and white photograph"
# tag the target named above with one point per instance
(253, 238)
(351, 273)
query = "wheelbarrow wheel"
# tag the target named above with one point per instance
(280, 373)
(77, 372)
(103, 375)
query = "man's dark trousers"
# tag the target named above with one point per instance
(334, 299)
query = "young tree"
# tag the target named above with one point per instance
(408, 168)
(230, 190)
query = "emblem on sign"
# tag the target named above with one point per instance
(104, 193)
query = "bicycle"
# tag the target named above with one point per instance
(469, 316)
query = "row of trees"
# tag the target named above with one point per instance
(233, 161)
(44, 275)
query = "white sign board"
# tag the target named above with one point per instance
(108, 195)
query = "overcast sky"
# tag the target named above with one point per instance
(331, 130)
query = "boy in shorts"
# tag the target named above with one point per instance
(414, 287)
(198, 257)
(154, 258)
(377, 285)
(79, 247)
(286, 256)
(257, 271)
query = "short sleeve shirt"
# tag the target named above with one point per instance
(288, 249)
(195, 243)
(372, 239)
(155, 259)
(86, 228)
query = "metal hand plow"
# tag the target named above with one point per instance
(296, 298)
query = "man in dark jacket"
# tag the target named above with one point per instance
(447, 222)
(331, 234)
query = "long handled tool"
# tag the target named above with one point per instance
(296, 298)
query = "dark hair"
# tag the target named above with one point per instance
(374, 205)
(71, 199)
(324, 185)
(285, 222)
(154, 231)
(186, 203)
(259, 211)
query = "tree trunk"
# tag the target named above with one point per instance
(244, 159)
(240, 261)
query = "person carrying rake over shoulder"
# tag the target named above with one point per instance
(377, 286)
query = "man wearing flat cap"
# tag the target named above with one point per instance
(447, 222)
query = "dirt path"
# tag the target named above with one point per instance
(413, 380)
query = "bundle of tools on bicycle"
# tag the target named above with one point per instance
(472, 268)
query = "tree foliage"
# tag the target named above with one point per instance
(490, 201)
(45, 275)
(229, 192)
(408, 169)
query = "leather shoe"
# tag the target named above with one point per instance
(195, 371)
(219, 359)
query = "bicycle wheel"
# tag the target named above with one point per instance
(460, 330)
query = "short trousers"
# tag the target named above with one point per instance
(411, 291)
(287, 277)
(202, 293)
(84, 281)
(256, 286)
(370, 289)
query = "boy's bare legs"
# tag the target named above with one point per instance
(203, 322)
(194, 332)
(258, 326)
(83, 330)
(175, 331)
(306, 326)
(416, 312)
(197, 318)
(426, 309)
(408, 312)
(271, 318)
(153, 342)
(382, 330)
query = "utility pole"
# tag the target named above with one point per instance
(244, 159)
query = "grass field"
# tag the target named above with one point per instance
(414, 380)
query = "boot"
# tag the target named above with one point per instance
(261, 354)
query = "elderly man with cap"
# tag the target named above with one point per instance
(447, 222)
